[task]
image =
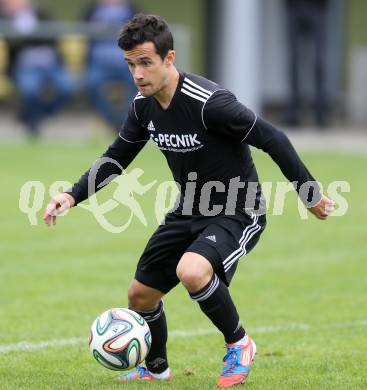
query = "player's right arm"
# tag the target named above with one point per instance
(117, 157)
(57, 205)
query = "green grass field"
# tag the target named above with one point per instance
(301, 293)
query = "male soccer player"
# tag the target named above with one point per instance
(204, 133)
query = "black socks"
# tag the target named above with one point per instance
(217, 304)
(214, 301)
(156, 360)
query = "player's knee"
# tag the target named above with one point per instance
(142, 297)
(194, 271)
(138, 299)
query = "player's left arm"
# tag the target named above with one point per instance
(225, 115)
(324, 208)
(267, 137)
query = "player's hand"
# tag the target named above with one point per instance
(324, 208)
(57, 206)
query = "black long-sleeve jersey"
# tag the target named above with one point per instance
(204, 135)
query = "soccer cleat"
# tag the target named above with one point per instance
(141, 373)
(237, 363)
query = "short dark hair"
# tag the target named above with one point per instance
(147, 28)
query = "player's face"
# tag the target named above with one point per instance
(149, 71)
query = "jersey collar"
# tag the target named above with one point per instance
(176, 94)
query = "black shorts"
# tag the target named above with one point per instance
(222, 240)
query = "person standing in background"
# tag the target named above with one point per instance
(307, 24)
(104, 63)
(35, 65)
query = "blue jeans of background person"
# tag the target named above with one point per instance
(31, 82)
(97, 78)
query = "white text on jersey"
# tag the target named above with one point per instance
(176, 140)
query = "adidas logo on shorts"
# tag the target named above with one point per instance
(212, 238)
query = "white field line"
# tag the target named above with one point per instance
(24, 346)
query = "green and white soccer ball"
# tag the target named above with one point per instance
(120, 339)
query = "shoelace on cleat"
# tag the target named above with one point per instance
(141, 370)
(231, 359)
